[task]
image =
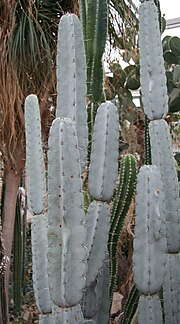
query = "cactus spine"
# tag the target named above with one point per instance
(154, 96)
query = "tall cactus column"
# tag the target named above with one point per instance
(149, 244)
(36, 187)
(155, 100)
(103, 171)
(67, 261)
(71, 79)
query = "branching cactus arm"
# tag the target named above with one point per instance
(36, 187)
(71, 78)
(152, 71)
(104, 156)
(67, 228)
(150, 232)
(35, 167)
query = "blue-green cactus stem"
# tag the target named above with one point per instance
(150, 244)
(162, 157)
(152, 71)
(36, 192)
(103, 168)
(123, 198)
(92, 298)
(71, 315)
(46, 319)
(104, 310)
(71, 78)
(98, 222)
(39, 226)
(96, 302)
(35, 167)
(149, 310)
(171, 290)
(66, 218)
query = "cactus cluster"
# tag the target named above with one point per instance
(156, 244)
(75, 257)
(70, 257)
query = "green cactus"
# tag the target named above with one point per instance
(171, 46)
(19, 250)
(130, 309)
(94, 16)
(123, 198)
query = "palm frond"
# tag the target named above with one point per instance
(28, 31)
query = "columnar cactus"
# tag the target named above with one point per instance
(94, 16)
(150, 247)
(155, 100)
(103, 171)
(71, 79)
(123, 198)
(67, 263)
(36, 186)
(76, 256)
